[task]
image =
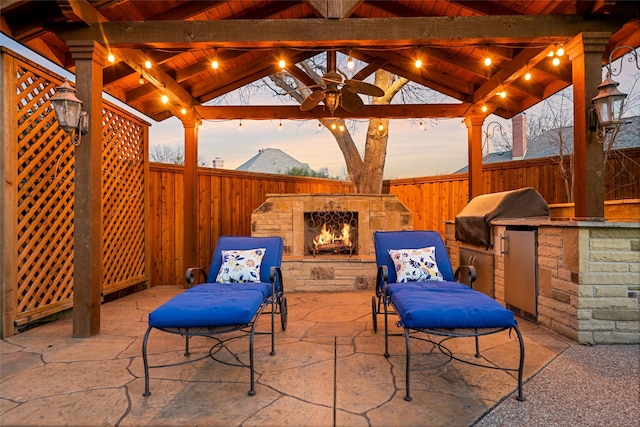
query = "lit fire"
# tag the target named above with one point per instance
(326, 237)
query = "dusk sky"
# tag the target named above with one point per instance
(440, 147)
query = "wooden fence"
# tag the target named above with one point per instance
(227, 199)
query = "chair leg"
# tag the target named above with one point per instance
(386, 328)
(407, 338)
(252, 389)
(273, 323)
(477, 344)
(146, 362)
(186, 343)
(521, 365)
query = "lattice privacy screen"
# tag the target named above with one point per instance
(45, 177)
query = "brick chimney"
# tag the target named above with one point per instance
(519, 125)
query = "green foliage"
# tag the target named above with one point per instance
(302, 171)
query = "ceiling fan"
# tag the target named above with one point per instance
(338, 92)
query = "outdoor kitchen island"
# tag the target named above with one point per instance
(343, 261)
(588, 276)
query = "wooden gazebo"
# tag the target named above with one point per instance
(107, 43)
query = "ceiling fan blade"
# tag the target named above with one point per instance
(351, 102)
(356, 86)
(332, 77)
(312, 100)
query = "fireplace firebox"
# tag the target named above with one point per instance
(331, 230)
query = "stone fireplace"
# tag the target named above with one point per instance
(340, 260)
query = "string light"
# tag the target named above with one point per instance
(183, 111)
(341, 128)
(380, 127)
(333, 126)
(418, 62)
(487, 58)
(282, 63)
(484, 108)
(559, 50)
(141, 79)
(527, 75)
(165, 98)
(111, 58)
(502, 94)
(350, 63)
(214, 63)
(555, 61)
(147, 64)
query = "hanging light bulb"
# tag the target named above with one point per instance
(341, 128)
(141, 79)
(183, 111)
(380, 127)
(111, 58)
(560, 50)
(333, 126)
(527, 75)
(280, 125)
(487, 58)
(165, 98)
(147, 64)
(555, 61)
(503, 94)
(418, 63)
(282, 64)
(484, 108)
(214, 63)
(350, 63)
(420, 125)
(240, 125)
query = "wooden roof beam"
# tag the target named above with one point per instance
(299, 33)
(293, 112)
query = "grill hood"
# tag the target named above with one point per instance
(473, 223)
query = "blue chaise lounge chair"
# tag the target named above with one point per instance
(415, 281)
(243, 279)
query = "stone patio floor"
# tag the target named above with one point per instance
(328, 369)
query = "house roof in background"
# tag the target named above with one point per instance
(547, 143)
(271, 160)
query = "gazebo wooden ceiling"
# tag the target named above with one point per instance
(181, 38)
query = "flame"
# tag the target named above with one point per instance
(327, 237)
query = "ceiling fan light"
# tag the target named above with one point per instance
(332, 100)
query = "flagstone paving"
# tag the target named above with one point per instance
(328, 369)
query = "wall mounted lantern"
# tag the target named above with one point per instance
(68, 109)
(609, 101)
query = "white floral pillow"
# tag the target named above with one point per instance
(240, 266)
(415, 265)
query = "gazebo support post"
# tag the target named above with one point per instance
(89, 58)
(190, 230)
(474, 131)
(585, 53)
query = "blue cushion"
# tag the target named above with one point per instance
(207, 309)
(264, 288)
(450, 309)
(401, 287)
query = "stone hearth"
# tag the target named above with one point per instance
(283, 215)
